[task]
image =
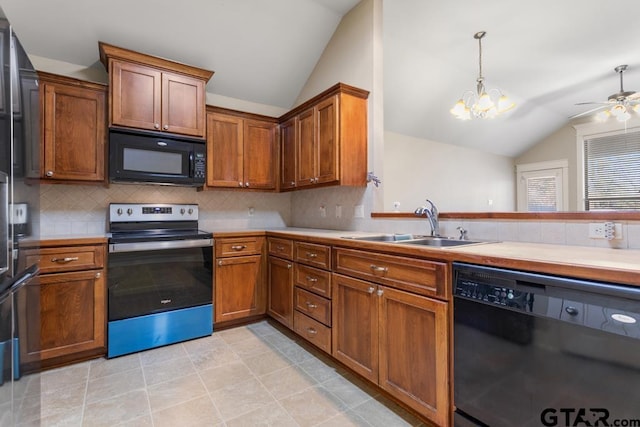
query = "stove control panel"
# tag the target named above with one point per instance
(134, 212)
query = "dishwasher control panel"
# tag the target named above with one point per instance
(491, 294)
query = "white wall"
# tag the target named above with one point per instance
(352, 56)
(456, 179)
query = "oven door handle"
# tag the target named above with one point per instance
(159, 245)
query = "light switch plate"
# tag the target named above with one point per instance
(358, 211)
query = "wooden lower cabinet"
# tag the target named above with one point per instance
(238, 288)
(396, 339)
(280, 301)
(62, 316)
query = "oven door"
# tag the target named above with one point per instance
(152, 277)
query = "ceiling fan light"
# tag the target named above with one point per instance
(618, 109)
(636, 108)
(602, 116)
(505, 104)
(623, 117)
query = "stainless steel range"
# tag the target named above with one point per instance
(160, 277)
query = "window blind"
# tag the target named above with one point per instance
(541, 194)
(612, 172)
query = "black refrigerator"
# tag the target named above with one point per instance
(19, 207)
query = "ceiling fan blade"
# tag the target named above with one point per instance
(587, 112)
(592, 103)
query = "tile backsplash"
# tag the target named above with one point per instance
(82, 209)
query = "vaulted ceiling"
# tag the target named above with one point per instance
(546, 55)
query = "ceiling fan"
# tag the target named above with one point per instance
(618, 105)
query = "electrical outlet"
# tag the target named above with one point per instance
(338, 211)
(252, 211)
(358, 211)
(605, 230)
(323, 212)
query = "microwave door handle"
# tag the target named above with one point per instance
(192, 171)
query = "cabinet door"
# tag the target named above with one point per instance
(224, 151)
(327, 140)
(355, 325)
(66, 315)
(307, 149)
(259, 154)
(414, 352)
(288, 154)
(238, 288)
(135, 96)
(280, 305)
(183, 105)
(74, 133)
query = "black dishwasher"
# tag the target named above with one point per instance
(541, 350)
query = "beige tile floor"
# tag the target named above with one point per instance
(248, 376)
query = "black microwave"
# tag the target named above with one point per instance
(150, 158)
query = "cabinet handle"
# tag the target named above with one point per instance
(289, 265)
(311, 331)
(293, 183)
(311, 180)
(98, 275)
(64, 260)
(371, 289)
(380, 292)
(376, 268)
(238, 247)
(312, 254)
(49, 173)
(311, 279)
(246, 184)
(311, 305)
(156, 125)
(280, 248)
(165, 127)
(241, 184)
(220, 262)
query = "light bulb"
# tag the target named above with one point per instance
(458, 108)
(504, 104)
(618, 109)
(485, 103)
(636, 108)
(602, 116)
(623, 117)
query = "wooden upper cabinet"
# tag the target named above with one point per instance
(288, 153)
(241, 150)
(135, 95)
(147, 92)
(73, 115)
(331, 139)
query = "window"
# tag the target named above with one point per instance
(542, 187)
(612, 172)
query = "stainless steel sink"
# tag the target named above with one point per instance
(439, 242)
(412, 239)
(386, 237)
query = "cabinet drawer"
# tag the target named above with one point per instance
(239, 246)
(314, 280)
(422, 277)
(312, 254)
(313, 306)
(282, 248)
(61, 259)
(313, 331)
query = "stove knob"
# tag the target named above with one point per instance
(129, 211)
(119, 211)
(190, 211)
(182, 211)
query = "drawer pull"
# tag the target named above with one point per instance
(98, 275)
(289, 265)
(376, 268)
(238, 247)
(380, 292)
(312, 255)
(311, 305)
(280, 248)
(64, 260)
(311, 279)
(220, 262)
(312, 331)
(371, 289)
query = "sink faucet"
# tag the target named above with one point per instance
(431, 212)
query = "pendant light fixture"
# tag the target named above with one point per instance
(483, 103)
